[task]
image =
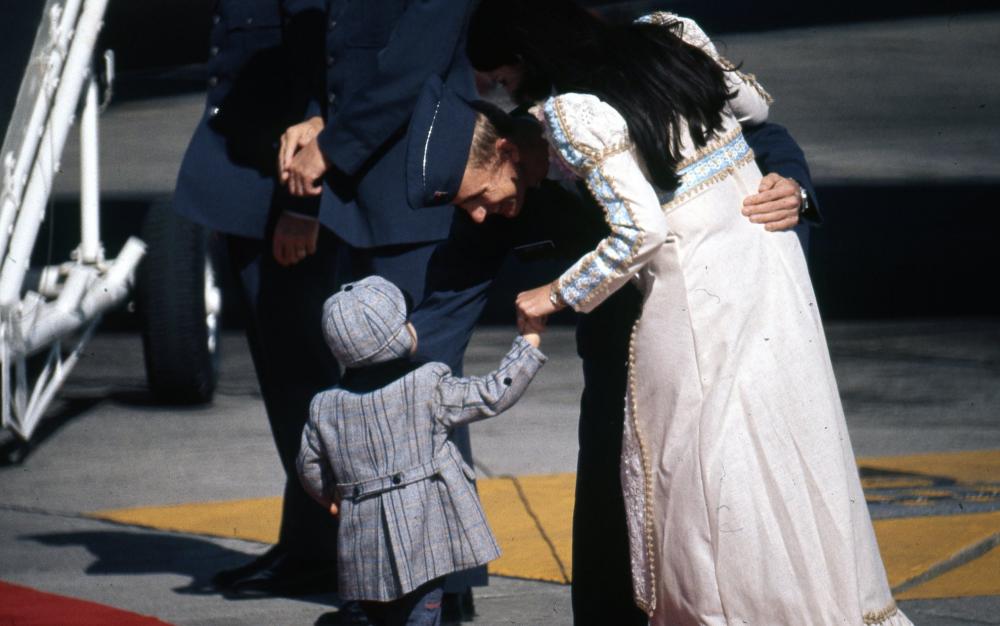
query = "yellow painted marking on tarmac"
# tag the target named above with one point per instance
(980, 466)
(912, 545)
(980, 577)
(895, 483)
(931, 493)
(875, 498)
(533, 524)
(253, 520)
(985, 497)
(532, 518)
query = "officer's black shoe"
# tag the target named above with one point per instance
(457, 608)
(286, 576)
(224, 579)
(350, 614)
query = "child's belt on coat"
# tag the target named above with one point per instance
(374, 486)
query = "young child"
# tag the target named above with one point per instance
(376, 452)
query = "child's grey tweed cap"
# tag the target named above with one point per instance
(365, 323)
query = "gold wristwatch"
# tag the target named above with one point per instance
(554, 296)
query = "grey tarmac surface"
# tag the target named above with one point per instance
(908, 386)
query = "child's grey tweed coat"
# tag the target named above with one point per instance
(409, 512)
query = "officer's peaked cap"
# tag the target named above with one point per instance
(440, 136)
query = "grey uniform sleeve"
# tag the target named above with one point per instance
(313, 465)
(464, 400)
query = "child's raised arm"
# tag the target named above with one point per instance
(464, 400)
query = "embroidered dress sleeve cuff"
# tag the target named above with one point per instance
(604, 157)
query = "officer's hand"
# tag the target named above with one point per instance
(294, 238)
(776, 205)
(305, 172)
(293, 140)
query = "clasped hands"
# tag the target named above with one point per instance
(301, 167)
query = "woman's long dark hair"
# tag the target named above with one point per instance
(645, 71)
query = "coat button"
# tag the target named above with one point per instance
(213, 81)
(216, 19)
(333, 24)
(249, 21)
(330, 60)
(214, 50)
(213, 111)
(331, 98)
(397, 478)
(508, 381)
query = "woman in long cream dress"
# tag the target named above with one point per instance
(742, 494)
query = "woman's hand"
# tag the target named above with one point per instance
(536, 302)
(294, 139)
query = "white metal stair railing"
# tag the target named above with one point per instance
(71, 297)
(49, 57)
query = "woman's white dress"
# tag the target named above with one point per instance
(743, 499)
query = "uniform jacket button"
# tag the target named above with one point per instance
(213, 81)
(333, 24)
(216, 19)
(213, 111)
(249, 21)
(330, 60)
(331, 98)
(397, 478)
(214, 50)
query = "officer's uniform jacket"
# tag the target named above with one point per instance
(379, 54)
(265, 72)
(409, 512)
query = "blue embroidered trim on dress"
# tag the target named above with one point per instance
(731, 155)
(613, 254)
(569, 153)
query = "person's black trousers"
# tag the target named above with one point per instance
(283, 311)
(602, 577)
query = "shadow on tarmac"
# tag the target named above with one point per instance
(15, 451)
(131, 553)
(882, 251)
(913, 250)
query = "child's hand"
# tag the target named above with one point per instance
(335, 509)
(531, 328)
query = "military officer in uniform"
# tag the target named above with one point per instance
(352, 156)
(266, 72)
